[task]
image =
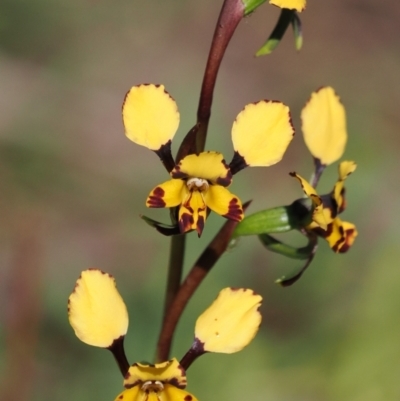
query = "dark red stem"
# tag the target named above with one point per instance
(231, 14)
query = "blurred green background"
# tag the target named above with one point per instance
(73, 187)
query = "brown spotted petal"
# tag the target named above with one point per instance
(345, 169)
(318, 215)
(167, 194)
(222, 202)
(340, 235)
(193, 213)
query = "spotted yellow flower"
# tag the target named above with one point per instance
(298, 5)
(98, 316)
(325, 134)
(339, 234)
(260, 134)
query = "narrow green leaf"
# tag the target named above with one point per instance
(281, 26)
(297, 31)
(274, 245)
(165, 229)
(288, 280)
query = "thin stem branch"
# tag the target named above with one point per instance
(319, 169)
(231, 14)
(195, 277)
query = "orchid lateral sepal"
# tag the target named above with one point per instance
(323, 122)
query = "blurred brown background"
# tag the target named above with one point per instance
(72, 188)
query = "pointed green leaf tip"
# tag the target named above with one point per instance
(286, 18)
(268, 47)
(251, 5)
(297, 31)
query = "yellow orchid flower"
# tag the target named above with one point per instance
(260, 134)
(98, 316)
(339, 234)
(298, 5)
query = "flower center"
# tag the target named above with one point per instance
(152, 385)
(197, 184)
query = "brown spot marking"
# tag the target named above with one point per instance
(225, 181)
(200, 225)
(156, 198)
(121, 397)
(347, 242)
(235, 211)
(237, 163)
(177, 173)
(188, 398)
(340, 241)
(186, 222)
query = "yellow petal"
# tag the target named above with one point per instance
(150, 116)
(351, 233)
(298, 5)
(168, 194)
(222, 202)
(345, 169)
(231, 322)
(192, 213)
(324, 125)
(210, 166)
(96, 310)
(318, 214)
(166, 372)
(172, 393)
(261, 133)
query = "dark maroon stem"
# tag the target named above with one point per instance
(231, 14)
(199, 271)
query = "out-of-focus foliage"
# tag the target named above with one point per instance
(72, 188)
